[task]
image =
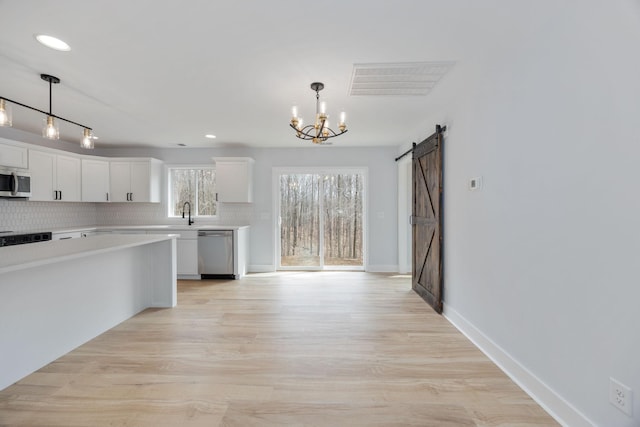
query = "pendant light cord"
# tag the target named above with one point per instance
(50, 95)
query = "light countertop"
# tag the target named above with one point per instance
(159, 227)
(26, 256)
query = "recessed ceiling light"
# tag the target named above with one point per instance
(53, 42)
(210, 136)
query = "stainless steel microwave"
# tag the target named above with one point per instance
(14, 183)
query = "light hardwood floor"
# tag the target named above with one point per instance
(282, 349)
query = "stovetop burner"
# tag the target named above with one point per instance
(21, 239)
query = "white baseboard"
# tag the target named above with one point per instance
(381, 268)
(188, 277)
(261, 269)
(561, 410)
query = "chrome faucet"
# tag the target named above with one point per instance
(185, 204)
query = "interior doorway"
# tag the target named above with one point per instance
(321, 219)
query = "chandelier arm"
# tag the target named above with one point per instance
(333, 134)
(305, 134)
(44, 112)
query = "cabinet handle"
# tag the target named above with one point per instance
(60, 195)
(216, 197)
(131, 199)
(107, 197)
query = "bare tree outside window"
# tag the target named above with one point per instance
(196, 186)
(302, 196)
(207, 205)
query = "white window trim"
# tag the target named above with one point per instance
(275, 191)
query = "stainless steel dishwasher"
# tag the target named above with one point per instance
(215, 254)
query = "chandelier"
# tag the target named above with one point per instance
(318, 132)
(50, 129)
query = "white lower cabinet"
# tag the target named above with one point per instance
(186, 251)
(187, 256)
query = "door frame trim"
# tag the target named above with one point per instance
(275, 196)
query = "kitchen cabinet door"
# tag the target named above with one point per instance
(136, 181)
(95, 180)
(120, 181)
(140, 181)
(187, 256)
(43, 168)
(68, 178)
(13, 156)
(54, 177)
(234, 179)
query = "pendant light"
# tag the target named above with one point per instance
(50, 129)
(5, 113)
(87, 139)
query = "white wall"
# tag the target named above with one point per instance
(542, 263)
(382, 209)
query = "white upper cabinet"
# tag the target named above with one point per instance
(135, 180)
(13, 156)
(54, 177)
(234, 179)
(95, 180)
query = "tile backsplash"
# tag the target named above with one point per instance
(156, 213)
(20, 215)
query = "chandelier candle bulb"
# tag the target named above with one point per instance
(294, 112)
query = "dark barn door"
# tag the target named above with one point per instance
(426, 220)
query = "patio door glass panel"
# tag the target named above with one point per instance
(321, 221)
(342, 206)
(300, 220)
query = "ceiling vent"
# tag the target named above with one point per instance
(397, 79)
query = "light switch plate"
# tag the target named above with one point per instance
(475, 183)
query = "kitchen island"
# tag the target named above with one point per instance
(189, 260)
(57, 295)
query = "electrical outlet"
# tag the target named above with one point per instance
(621, 396)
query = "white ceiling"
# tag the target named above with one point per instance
(162, 73)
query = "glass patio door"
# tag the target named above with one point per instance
(321, 221)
